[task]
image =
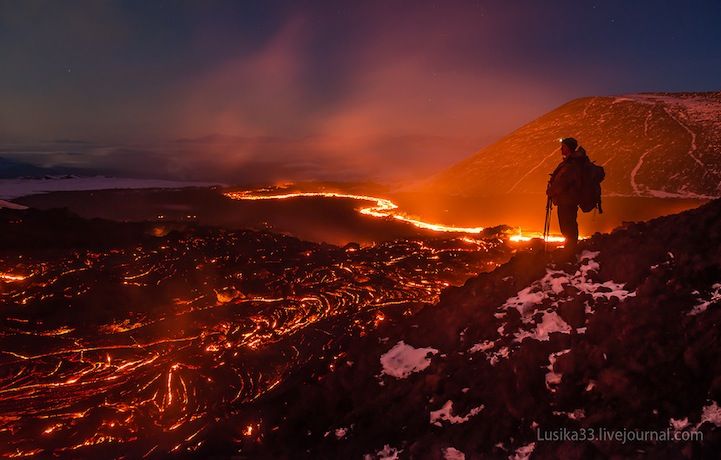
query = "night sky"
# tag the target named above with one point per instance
(236, 90)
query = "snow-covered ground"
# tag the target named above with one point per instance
(15, 188)
(402, 360)
(538, 304)
(445, 413)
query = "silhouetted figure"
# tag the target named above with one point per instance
(564, 189)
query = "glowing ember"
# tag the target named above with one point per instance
(523, 237)
(520, 237)
(12, 277)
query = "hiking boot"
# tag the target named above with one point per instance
(563, 256)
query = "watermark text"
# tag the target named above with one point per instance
(622, 435)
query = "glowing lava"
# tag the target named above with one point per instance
(383, 208)
(522, 237)
(11, 277)
(144, 350)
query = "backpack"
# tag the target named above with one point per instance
(589, 197)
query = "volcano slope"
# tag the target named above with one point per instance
(627, 338)
(651, 144)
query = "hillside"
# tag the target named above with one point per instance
(625, 339)
(654, 144)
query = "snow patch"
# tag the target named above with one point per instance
(555, 282)
(482, 346)
(550, 323)
(523, 453)
(387, 453)
(710, 413)
(444, 414)
(680, 424)
(555, 287)
(701, 307)
(552, 377)
(530, 296)
(451, 453)
(665, 194)
(493, 358)
(402, 360)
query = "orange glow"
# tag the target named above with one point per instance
(522, 237)
(383, 208)
(227, 295)
(11, 277)
(151, 364)
(22, 453)
(52, 428)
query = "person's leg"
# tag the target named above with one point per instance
(567, 221)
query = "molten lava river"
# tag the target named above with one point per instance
(141, 350)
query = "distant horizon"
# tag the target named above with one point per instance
(51, 156)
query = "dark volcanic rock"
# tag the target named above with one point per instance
(626, 339)
(141, 340)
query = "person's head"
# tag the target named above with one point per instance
(568, 146)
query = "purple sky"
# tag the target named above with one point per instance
(273, 90)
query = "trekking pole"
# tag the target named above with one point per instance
(547, 224)
(550, 218)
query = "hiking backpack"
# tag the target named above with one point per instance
(590, 194)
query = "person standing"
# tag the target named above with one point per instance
(564, 189)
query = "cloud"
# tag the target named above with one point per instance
(377, 91)
(252, 95)
(397, 108)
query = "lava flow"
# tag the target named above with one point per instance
(142, 348)
(384, 209)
